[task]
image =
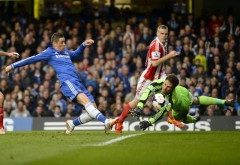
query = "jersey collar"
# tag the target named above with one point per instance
(164, 45)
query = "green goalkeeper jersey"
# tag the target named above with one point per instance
(179, 99)
(154, 88)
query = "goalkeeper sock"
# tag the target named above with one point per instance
(1, 117)
(124, 114)
(83, 118)
(204, 100)
(95, 113)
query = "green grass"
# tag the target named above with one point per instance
(52, 147)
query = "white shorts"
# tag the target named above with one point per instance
(143, 83)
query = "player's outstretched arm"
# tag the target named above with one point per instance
(11, 54)
(76, 53)
(160, 61)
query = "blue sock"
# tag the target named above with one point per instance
(77, 121)
(95, 113)
(100, 117)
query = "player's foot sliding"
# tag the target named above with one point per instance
(229, 103)
(171, 120)
(175, 122)
(119, 127)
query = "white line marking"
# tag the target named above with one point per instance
(114, 140)
(97, 123)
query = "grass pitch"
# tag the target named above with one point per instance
(52, 147)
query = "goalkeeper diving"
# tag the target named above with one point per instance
(177, 102)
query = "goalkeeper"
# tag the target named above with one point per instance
(177, 98)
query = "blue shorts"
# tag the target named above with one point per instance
(71, 89)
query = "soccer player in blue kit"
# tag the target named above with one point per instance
(59, 57)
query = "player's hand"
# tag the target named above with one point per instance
(8, 69)
(13, 54)
(144, 125)
(88, 42)
(174, 53)
(136, 113)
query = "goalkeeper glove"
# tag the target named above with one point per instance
(136, 113)
(144, 125)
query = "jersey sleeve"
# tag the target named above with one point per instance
(161, 113)
(43, 56)
(158, 116)
(154, 54)
(149, 92)
(78, 51)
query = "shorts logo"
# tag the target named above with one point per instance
(156, 55)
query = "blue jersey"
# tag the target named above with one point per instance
(60, 61)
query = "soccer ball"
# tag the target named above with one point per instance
(158, 101)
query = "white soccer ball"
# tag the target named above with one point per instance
(158, 101)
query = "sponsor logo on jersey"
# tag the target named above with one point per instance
(156, 55)
(62, 56)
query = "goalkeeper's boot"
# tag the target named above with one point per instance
(175, 122)
(109, 123)
(118, 127)
(2, 131)
(70, 127)
(229, 103)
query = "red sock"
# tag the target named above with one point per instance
(1, 117)
(170, 114)
(124, 114)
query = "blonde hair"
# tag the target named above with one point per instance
(162, 27)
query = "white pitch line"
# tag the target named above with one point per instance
(115, 140)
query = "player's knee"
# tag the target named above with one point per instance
(82, 99)
(134, 103)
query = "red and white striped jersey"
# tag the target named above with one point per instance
(156, 51)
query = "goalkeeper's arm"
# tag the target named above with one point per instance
(158, 116)
(145, 124)
(149, 92)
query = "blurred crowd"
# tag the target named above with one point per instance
(209, 63)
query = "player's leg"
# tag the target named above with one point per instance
(2, 131)
(127, 107)
(182, 115)
(171, 120)
(204, 100)
(124, 114)
(191, 119)
(71, 124)
(93, 111)
(141, 86)
(179, 113)
(78, 93)
(83, 118)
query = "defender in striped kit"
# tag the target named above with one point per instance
(155, 69)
